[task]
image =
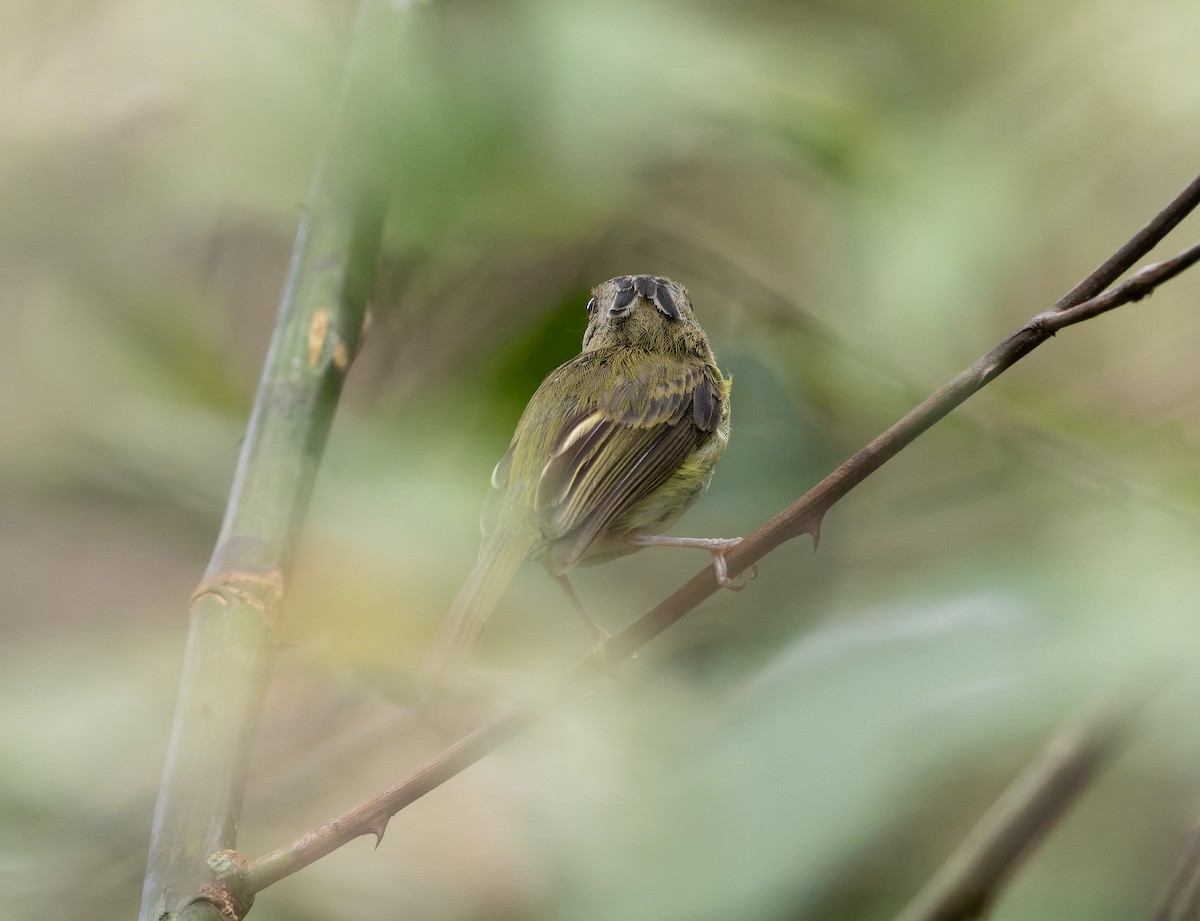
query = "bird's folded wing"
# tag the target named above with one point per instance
(606, 459)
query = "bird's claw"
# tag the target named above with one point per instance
(721, 567)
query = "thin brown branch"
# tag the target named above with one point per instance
(1134, 288)
(969, 881)
(803, 516)
(1134, 248)
(372, 816)
(806, 513)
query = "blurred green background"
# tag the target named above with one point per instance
(863, 197)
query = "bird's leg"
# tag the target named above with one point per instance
(600, 636)
(717, 546)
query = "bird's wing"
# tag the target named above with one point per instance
(610, 456)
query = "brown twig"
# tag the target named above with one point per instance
(969, 881)
(372, 816)
(1134, 288)
(1134, 248)
(803, 516)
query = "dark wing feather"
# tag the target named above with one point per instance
(706, 405)
(605, 461)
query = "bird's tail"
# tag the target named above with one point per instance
(462, 627)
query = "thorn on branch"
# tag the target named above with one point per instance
(377, 829)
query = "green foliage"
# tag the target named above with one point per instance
(861, 198)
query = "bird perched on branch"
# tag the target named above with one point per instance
(612, 448)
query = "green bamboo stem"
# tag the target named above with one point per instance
(235, 610)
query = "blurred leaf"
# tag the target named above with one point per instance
(862, 199)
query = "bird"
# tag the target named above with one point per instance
(611, 449)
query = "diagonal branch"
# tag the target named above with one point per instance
(1137, 286)
(371, 816)
(803, 516)
(969, 881)
(1134, 248)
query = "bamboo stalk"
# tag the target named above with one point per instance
(237, 606)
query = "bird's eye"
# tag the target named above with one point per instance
(591, 304)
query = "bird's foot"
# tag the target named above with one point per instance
(721, 568)
(717, 546)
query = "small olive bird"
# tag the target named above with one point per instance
(612, 448)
